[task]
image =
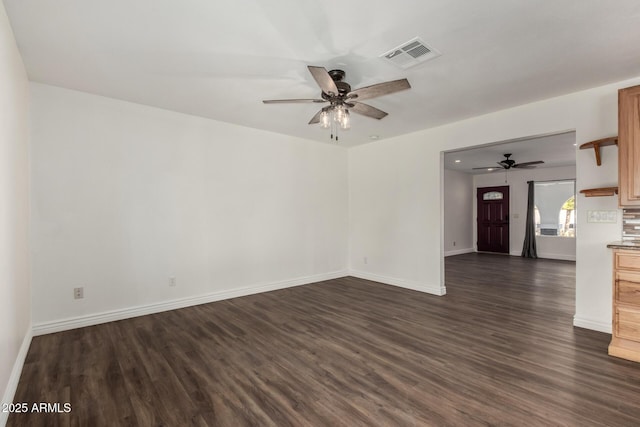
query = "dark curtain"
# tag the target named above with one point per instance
(529, 247)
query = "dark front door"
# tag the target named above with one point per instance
(493, 219)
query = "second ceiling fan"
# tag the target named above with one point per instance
(508, 163)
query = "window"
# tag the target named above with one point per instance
(555, 212)
(492, 195)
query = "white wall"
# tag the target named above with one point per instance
(396, 205)
(126, 196)
(394, 189)
(548, 246)
(458, 212)
(15, 305)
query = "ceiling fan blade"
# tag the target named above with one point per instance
(367, 110)
(292, 101)
(379, 89)
(315, 119)
(323, 79)
(526, 164)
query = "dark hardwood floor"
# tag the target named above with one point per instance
(498, 349)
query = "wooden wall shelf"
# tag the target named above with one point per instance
(612, 140)
(600, 192)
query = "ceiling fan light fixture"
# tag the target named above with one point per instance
(338, 113)
(345, 123)
(325, 120)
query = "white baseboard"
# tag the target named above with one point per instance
(416, 286)
(595, 325)
(459, 252)
(561, 257)
(143, 310)
(14, 378)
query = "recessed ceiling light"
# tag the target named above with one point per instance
(374, 137)
(458, 161)
(574, 144)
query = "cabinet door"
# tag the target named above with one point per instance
(629, 146)
(627, 288)
(627, 323)
(627, 260)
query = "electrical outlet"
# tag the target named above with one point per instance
(78, 293)
(366, 260)
(172, 281)
(454, 243)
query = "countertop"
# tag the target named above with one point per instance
(631, 245)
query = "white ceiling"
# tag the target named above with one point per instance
(220, 59)
(554, 150)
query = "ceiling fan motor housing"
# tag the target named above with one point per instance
(343, 87)
(507, 163)
(337, 75)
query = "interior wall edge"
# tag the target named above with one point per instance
(459, 252)
(596, 325)
(416, 286)
(12, 385)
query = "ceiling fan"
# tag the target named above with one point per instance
(508, 163)
(342, 99)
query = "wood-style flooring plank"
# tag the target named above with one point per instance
(498, 349)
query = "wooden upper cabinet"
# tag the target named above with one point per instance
(629, 146)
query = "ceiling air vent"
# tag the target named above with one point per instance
(411, 53)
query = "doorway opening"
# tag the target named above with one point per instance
(543, 158)
(474, 217)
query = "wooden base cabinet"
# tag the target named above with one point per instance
(625, 340)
